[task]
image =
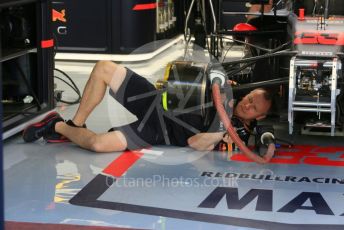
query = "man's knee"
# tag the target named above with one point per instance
(97, 144)
(111, 73)
(103, 68)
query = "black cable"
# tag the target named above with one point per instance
(245, 43)
(255, 46)
(70, 79)
(224, 57)
(66, 83)
(204, 26)
(186, 45)
(72, 85)
(256, 58)
(232, 73)
(254, 85)
(205, 29)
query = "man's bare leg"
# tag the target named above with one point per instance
(85, 138)
(105, 73)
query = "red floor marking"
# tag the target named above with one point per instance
(122, 163)
(307, 154)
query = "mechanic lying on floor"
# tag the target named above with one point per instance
(124, 84)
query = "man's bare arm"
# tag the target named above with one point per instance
(205, 141)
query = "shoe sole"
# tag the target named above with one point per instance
(58, 141)
(46, 119)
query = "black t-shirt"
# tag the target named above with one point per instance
(243, 130)
(179, 134)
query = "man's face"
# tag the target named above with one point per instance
(253, 106)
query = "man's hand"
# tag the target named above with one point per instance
(226, 138)
(269, 153)
(205, 141)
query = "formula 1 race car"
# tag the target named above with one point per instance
(293, 50)
(297, 48)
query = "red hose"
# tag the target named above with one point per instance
(232, 132)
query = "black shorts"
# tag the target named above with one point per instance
(132, 95)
